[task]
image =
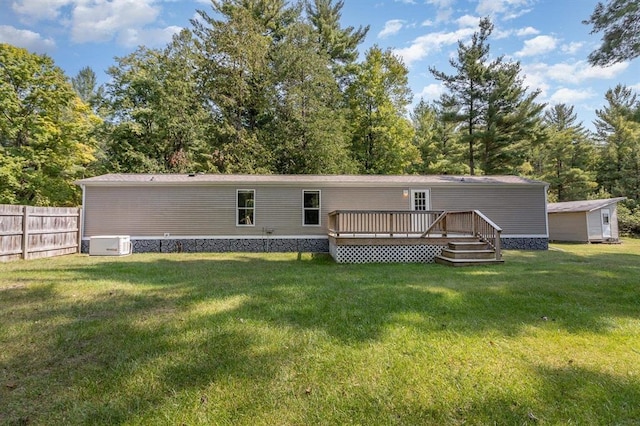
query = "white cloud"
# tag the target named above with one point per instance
(538, 45)
(36, 10)
(444, 9)
(129, 22)
(571, 96)
(427, 23)
(391, 27)
(544, 76)
(405, 1)
(102, 21)
(26, 39)
(523, 32)
(432, 42)
(535, 78)
(431, 92)
(150, 38)
(441, 4)
(468, 21)
(577, 72)
(508, 8)
(572, 48)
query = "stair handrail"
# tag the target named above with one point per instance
(480, 226)
(438, 220)
(493, 236)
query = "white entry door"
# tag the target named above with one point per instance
(606, 223)
(420, 202)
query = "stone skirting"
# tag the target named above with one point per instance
(341, 253)
(524, 243)
(256, 245)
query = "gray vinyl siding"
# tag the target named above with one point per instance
(517, 210)
(206, 210)
(568, 227)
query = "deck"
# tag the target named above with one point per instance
(357, 236)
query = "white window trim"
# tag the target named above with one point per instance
(244, 225)
(319, 208)
(427, 199)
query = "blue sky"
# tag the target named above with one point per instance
(546, 36)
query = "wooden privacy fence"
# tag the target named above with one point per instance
(34, 232)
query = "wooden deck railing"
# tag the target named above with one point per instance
(381, 223)
(423, 224)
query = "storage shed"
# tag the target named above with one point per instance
(587, 221)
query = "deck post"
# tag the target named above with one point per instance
(444, 226)
(498, 245)
(473, 223)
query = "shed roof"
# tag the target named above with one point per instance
(582, 206)
(338, 180)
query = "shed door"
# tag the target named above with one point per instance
(606, 223)
(420, 202)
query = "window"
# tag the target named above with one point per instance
(420, 199)
(311, 208)
(246, 207)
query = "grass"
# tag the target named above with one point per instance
(255, 339)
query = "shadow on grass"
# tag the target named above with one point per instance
(152, 328)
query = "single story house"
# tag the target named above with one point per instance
(587, 221)
(217, 212)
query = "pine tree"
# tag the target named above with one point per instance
(620, 22)
(437, 141)
(618, 132)
(468, 87)
(569, 155)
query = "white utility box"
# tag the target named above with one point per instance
(109, 245)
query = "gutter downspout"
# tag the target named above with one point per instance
(546, 212)
(81, 221)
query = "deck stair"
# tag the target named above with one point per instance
(468, 253)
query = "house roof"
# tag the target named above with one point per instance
(346, 180)
(582, 206)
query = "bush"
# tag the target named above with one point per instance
(629, 218)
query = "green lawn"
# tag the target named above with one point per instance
(547, 338)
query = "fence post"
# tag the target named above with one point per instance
(80, 230)
(25, 232)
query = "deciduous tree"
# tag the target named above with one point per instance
(45, 131)
(309, 134)
(378, 98)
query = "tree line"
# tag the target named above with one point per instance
(273, 86)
